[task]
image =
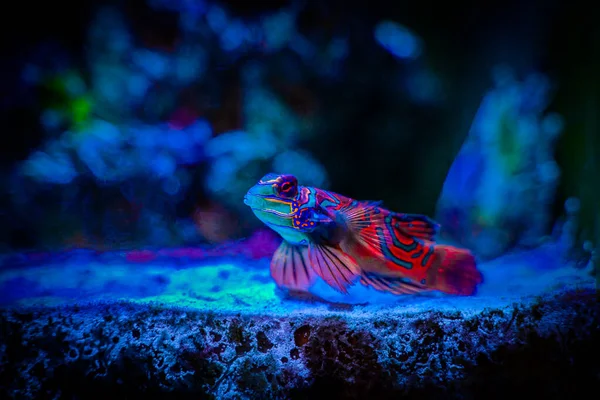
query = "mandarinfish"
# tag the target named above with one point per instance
(344, 240)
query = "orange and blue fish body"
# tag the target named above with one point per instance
(344, 241)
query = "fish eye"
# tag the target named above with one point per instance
(288, 189)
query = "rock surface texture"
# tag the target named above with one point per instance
(545, 346)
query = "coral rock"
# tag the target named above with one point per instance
(126, 350)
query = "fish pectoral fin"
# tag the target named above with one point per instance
(334, 266)
(416, 225)
(363, 221)
(290, 267)
(360, 216)
(390, 284)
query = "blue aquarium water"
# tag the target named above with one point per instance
(155, 155)
(242, 285)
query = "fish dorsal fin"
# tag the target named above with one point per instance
(334, 266)
(290, 267)
(416, 225)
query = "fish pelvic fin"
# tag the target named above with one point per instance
(290, 267)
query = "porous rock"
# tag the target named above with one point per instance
(548, 346)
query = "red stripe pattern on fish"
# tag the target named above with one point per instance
(344, 241)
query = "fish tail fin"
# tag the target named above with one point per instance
(453, 271)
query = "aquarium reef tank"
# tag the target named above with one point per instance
(209, 199)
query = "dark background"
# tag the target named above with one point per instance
(373, 143)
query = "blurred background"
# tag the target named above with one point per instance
(142, 123)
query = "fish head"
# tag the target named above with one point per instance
(274, 200)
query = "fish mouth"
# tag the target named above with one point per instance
(248, 199)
